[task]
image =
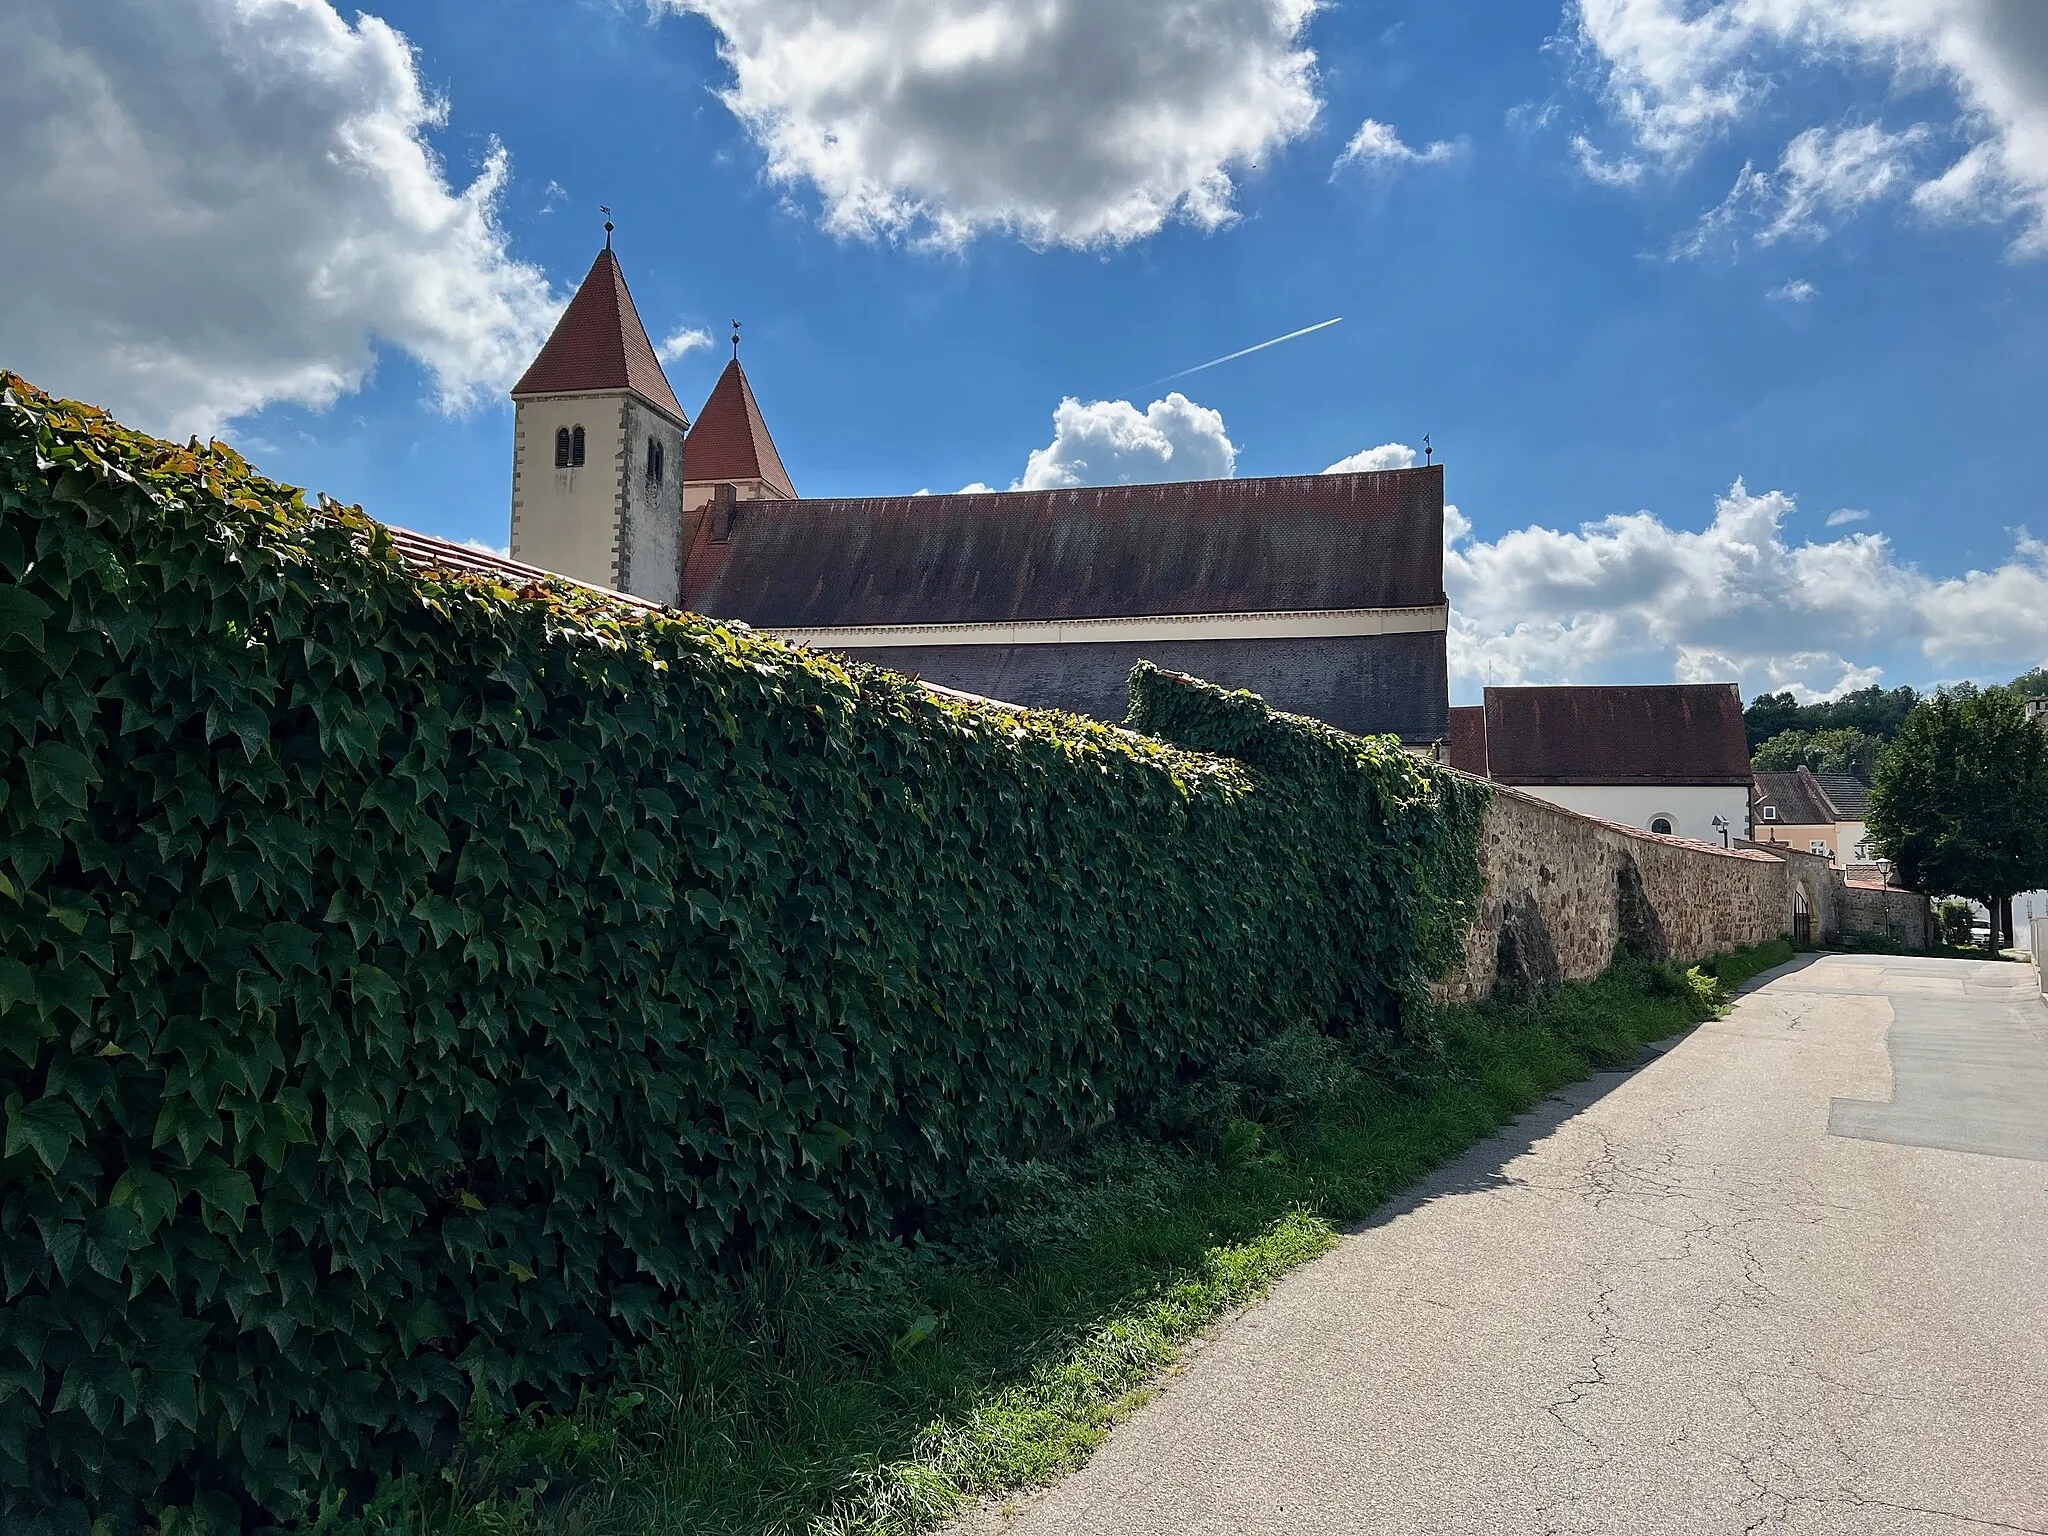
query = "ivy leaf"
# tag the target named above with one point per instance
(50, 1126)
(372, 985)
(148, 1196)
(21, 616)
(110, 1236)
(225, 1193)
(58, 772)
(440, 915)
(17, 984)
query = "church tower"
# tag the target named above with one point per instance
(597, 456)
(730, 457)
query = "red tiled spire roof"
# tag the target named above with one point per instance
(599, 343)
(731, 441)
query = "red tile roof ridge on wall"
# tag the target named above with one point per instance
(424, 552)
(600, 344)
(1752, 854)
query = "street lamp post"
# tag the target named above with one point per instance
(1721, 826)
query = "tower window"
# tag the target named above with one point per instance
(1661, 825)
(576, 446)
(561, 447)
(654, 458)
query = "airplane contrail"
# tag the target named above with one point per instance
(1248, 351)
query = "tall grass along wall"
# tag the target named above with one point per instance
(409, 986)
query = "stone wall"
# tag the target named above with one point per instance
(1563, 891)
(1901, 916)
(1816, 873)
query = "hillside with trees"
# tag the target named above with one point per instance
(1843, 735)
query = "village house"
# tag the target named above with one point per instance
(1819, 812)
(1671, 759)
(1322, 593)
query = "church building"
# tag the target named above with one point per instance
(1322, 593)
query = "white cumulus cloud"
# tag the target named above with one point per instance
(681, 342)
(1377, 144)
(1367, 460)
(1841, 517)
(1063, 123)
(1112, 442)
(1679, 72)
(1739, 600)
(1797, 291)
(214, 205)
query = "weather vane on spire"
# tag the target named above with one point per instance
(1428, 453)
(735, 341)
(607, 225)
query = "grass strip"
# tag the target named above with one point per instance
(1733, 972)
(884, 1393)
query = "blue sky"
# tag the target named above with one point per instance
(1548, 256)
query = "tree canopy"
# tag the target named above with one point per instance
(1960, 800)
(1838, 751)
(1876, 711)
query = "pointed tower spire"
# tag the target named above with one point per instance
(600, 344)
(730, 441)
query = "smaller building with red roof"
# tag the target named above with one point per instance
(1671, 758)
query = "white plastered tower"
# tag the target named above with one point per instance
(597, 456)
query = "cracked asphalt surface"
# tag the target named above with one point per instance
(1790, 1276)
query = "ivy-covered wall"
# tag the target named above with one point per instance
(409, 985)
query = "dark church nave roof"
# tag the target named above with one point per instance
(1285, 545)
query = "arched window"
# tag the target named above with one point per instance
(654, 457)
(1661, 825)
(576, 447)
(561, 447)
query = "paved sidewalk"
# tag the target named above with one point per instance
(1792, 1276)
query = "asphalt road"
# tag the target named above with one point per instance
(1791, 1276)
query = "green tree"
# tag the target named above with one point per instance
(1782, 753)
(1960, 802)
(1769, 716)
(1845, 750)
(1875, 711)
(2031, 685)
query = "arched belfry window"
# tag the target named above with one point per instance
(561, 447)
(654, 458)
(576, 446)
(1661, 825)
